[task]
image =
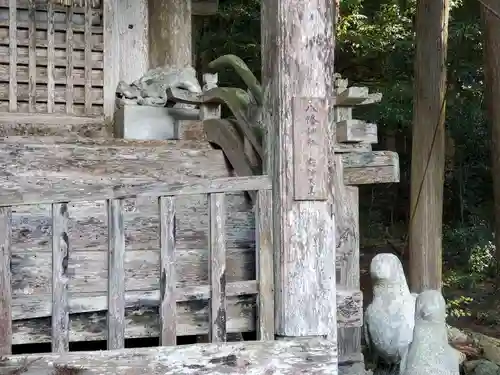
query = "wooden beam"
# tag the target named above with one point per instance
(298, 72)
(377, 167)
(204, 7)
(315, 356)
(350, 131)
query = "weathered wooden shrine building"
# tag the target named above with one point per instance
(67, 60)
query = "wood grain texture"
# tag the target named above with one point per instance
(217, 267)
(116, 275)
(209, 110)
(376, 167)
(60, 278)
(50, 58)
(168, 303)
(69, 64)
(100, 167)
(12, 55)
(32, 93)
(310, 167)
(88, 57)
(265, 265)
(300, 64)
(289, 357)
(350, 131)
(345, 204)
(170, 41)
(5, 281)
(224, 134)
(133, 28)
(428, 149)
(111, 56)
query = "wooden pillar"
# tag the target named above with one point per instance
(169, 33)
(427, 159)
(298, 76)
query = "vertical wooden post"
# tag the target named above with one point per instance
(111, 56)
(427, 160)
(31, 56)
(169, 33)
(168, 302)
(60, 279)
(217, 268)
(12, 55)
(116, 275)
(5, 281)
(298, 76)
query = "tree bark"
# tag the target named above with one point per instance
(427, 169)
(491, 28)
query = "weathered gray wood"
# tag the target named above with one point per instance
(45, 124)
(142, 321)
(168, 303)
(101, 169)
(60, 278)
(375, 167)
(217, 267)
(32, 56)
(289, 357)
(58, 26)
(5, 281)
(300, 61)
(223, 133)
(209, 110)
(116, 272)
(88, 57)
(69, 63)
(12, 55)
(310, 166)
(265, 265)
(50, 58)
(347, 223)
(345, 200)
(120, 190)
(356, 131)
(354, 96)
(111, 56)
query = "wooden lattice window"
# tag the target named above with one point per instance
(51, 58)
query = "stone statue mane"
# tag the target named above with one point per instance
(151, 88)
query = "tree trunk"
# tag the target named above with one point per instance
(491, 27)
(427, 169)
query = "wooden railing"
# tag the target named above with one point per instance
(216, 190)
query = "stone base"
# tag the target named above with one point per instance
(145, 123)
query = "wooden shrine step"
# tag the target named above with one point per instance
(310, 356)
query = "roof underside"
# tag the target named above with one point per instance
(200, 7)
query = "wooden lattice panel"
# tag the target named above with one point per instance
(51, 58)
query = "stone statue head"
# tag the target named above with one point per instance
(387, 268)
(431, 307)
